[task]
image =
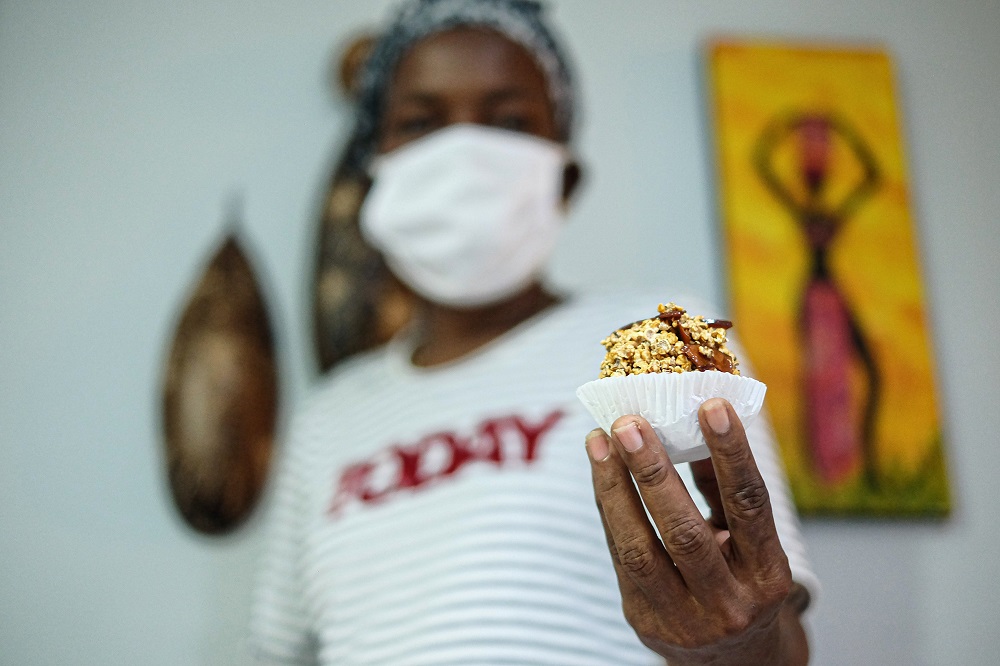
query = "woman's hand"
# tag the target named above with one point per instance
(707, 592)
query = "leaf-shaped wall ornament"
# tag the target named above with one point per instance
(220, 396)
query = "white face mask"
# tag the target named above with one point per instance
(468, 215)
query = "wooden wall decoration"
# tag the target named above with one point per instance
(220, 396)
(824, 275)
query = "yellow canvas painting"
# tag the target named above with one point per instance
(823, 273)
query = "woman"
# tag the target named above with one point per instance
(434, 506)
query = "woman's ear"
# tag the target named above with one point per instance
(572, 175)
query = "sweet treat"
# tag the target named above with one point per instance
(673, 341)
(662, 369)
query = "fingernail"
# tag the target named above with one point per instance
(630, 437)
(597, 445)
(717, 416)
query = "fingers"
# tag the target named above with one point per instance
(639, 558)
(741, 488)
(632, 595)
(686, 537)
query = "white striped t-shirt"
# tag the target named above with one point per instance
(446, 515)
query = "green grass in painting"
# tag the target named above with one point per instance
(899, 492)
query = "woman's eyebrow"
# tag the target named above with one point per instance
(418, 97)
(492, 97)
(512, 93)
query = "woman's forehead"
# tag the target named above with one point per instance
(465, 61)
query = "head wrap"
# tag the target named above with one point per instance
(521, 21)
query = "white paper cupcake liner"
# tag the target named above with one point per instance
(670, 402)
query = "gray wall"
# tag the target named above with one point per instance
(124, 127)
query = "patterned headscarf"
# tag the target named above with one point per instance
(521, 21)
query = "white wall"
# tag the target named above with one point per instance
(125, 126)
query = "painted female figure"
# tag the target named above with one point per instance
(839, 420)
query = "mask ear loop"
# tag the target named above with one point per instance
(572, 176)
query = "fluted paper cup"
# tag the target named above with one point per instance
(670, 402)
